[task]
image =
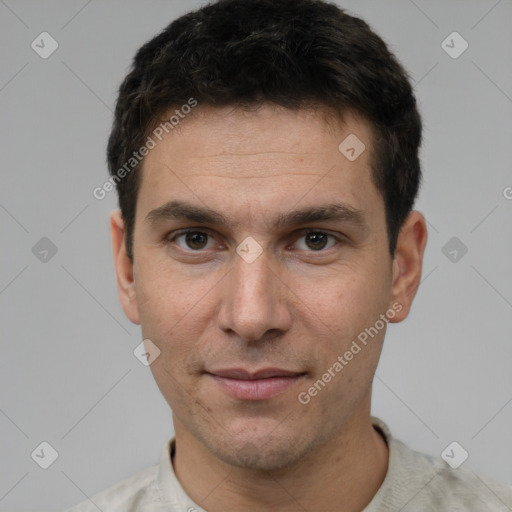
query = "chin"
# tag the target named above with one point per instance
(260, 453)
(267, 458)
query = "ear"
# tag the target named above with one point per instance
(124, 268)
(408, 263)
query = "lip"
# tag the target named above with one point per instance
(255, 385)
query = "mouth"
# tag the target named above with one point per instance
(255, 385)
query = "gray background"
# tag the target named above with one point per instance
(69, 376)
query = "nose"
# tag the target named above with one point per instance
(254, 300)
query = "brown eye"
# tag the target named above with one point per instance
(194, 240)
(316, 241)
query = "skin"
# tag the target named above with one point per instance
(296, 307)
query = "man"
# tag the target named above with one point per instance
(265, 154)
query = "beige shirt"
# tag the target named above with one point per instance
(414, 482)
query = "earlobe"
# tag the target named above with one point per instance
(408, 263)
(124, 268)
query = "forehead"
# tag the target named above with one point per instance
(261, 161)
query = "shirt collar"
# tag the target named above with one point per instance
(172, 494)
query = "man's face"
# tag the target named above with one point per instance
(292, 309)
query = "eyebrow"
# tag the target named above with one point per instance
(179, 210)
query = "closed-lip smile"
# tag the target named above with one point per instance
(259, 384)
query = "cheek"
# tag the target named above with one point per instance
(176, 312)
(350, 301)
(163, 304)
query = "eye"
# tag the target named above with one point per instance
(197, 241)
(317, 240)
(193, 240)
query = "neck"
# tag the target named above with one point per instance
(347, 469)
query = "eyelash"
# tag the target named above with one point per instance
(302, 233)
